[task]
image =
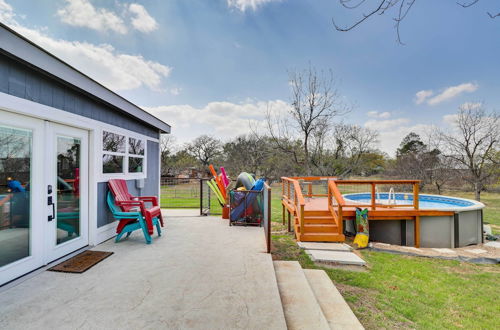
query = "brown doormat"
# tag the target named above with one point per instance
(81, 262)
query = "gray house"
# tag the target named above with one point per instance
(62, 137)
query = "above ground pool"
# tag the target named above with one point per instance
(463, 227)
(426, 202)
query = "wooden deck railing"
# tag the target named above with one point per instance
(335, 204)
(374, 204)
(293, 197)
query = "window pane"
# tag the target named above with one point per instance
(135, 165)
(112, 164)
(135, 146)
(113, 142)
(15, 175)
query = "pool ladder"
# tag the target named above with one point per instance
(393, 195)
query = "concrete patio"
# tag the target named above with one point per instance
(201, 274)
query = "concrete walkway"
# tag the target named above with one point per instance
(202, 274)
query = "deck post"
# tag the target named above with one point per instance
(373, 195)
(341, 221)
(283, 212)
(301, 220)
(416, 231)
(289, 222)
(415, 196)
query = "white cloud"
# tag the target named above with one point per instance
(117, 71)
(102, 62)
(389, 140)
(382, 125)
(453, 91)
(422, 96)
(392, 131)
(450, 119)
(222, 119)
(141, 20)
(6, 12)
(376, 114)
(243, 5)
(82, 13)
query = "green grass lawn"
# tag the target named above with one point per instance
(186, 196)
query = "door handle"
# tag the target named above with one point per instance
(50, 202)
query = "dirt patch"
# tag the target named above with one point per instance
(363, 303)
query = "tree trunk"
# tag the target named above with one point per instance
(306, 155)
(477, 191)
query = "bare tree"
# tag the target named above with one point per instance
(167, 143)
(381, 7)
(315, 102)
(474, 144)
(340, 148)
(205, 149)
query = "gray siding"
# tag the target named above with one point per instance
(151, 185)
(22, 81)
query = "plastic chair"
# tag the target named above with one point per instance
(130, 221)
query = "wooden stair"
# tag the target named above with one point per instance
(319, 226)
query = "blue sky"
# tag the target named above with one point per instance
(214, 66)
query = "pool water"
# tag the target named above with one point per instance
(425, 201)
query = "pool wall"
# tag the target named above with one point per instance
(461, 229)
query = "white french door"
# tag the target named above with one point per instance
(43, 193)
(67, 190)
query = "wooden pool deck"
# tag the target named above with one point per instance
(321, 219)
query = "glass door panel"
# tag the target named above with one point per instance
(22, 205)
(15, 177)
(68, 188)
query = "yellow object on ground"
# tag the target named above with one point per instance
(362, 231)
(361, 241)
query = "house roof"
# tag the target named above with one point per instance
(20, 47)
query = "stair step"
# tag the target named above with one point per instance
(335, 309)
(317, 212)
(320, 228)
(318, 219)
(322, 237)
(300, 306)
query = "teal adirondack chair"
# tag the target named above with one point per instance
(140, 222)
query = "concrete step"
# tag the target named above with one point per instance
(336, 257)
(335, 309)
(300, 306)
(320, 228)
(322, 237)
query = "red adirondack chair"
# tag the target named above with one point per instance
(129, 203)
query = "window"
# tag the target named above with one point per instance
(122, 154)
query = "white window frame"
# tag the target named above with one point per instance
(125, 174)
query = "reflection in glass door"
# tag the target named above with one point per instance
(15, 175)
(68, 188)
